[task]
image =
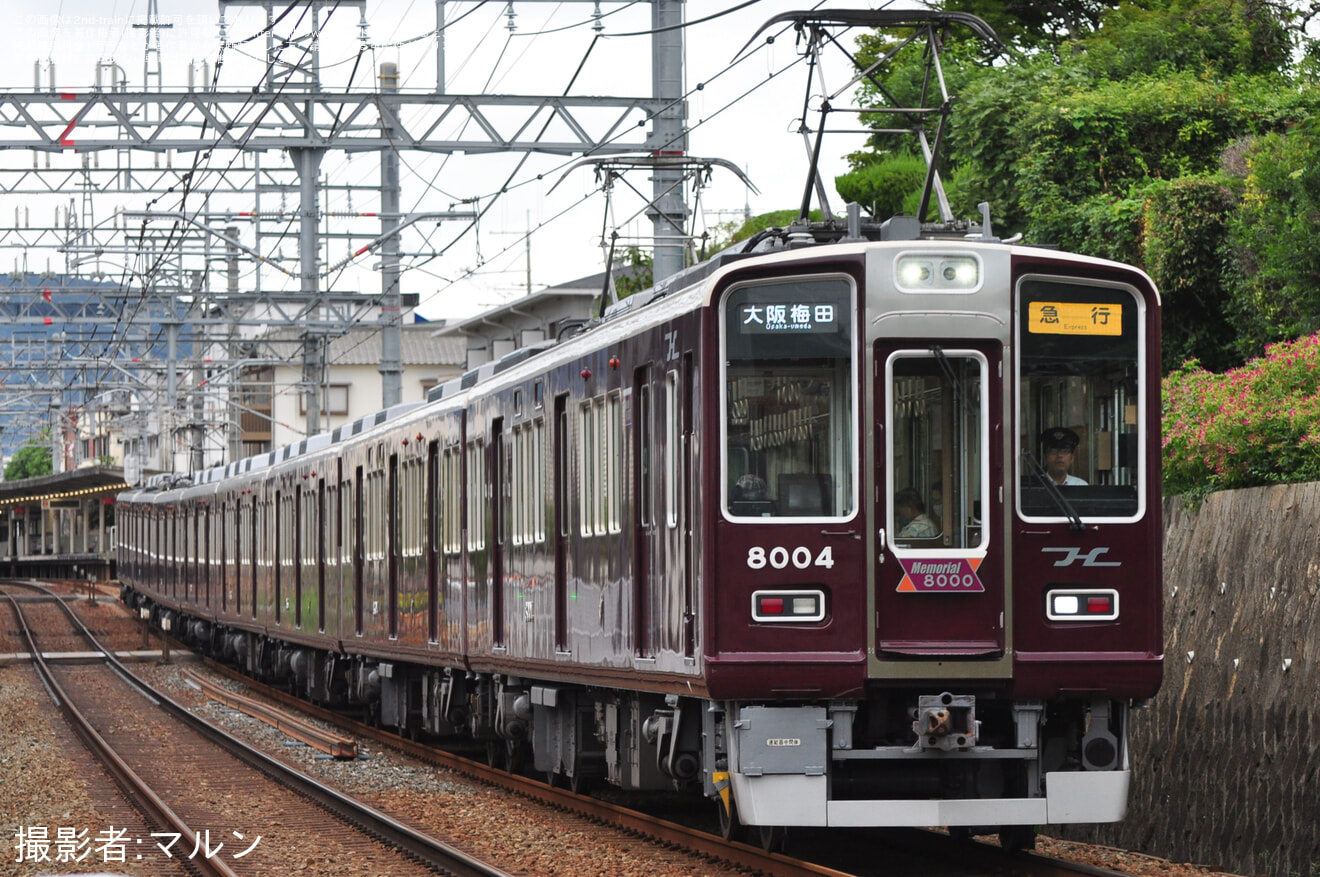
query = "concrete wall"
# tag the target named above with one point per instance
(1227, 761)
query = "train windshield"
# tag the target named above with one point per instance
(1081, 414)
(789, 391)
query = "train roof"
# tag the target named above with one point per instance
(781, 241)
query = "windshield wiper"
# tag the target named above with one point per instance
(1074, 520)
(947, 368)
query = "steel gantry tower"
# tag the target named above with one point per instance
(146, 309)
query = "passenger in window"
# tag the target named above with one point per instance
(750, 488)
(914, 523)
(1060, 447)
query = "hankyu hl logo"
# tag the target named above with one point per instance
(1090, 558)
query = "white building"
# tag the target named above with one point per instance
(353, 387)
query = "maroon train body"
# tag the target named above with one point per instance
(665, 551)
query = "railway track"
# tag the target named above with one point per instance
(199, 790)
(824, 853)
(658, 838)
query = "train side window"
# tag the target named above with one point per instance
(412, 489)
(453, 492)
(587, 466)
(536, 489)
(672, 427)
(477, 500)
(518, 500)
(562, 452)
(1081, 370)
(789, 399)
(348, 525)
(614, 462)
(528, 507)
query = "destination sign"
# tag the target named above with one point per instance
(1074, 318)
(758, 318)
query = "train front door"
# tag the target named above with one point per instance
(939, 580)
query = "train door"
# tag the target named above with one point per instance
(680, 473)
(562, 522)
(321, 553)
(196, 557)
(499, 510)
(358, 559)
(235, 577)
(644, 531)
(392, 546)
(301, 513)
(258, 543)
(939, 577)
(282, 548)
(432, 531)
(476, 566)
(206, 552)
(459, 576)
(172, 550)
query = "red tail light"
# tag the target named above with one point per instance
(1081, 605)
(799, 606)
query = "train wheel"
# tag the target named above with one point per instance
(495, 756)
(1015, 838)
(730, 827)
(515, 755)
(579, 783)
(771, 837)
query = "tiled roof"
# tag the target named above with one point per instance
(362, 345)
(417, 346)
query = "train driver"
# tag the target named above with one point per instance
(1059, 445)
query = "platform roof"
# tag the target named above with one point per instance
(88, 481)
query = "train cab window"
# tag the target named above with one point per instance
(1081, 412)
(938, 450)
(789, 399)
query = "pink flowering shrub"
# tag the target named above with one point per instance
(1250, 426)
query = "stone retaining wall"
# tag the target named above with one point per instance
(1226, 763)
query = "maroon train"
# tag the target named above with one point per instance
(664, 552)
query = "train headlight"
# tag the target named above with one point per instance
(1081, 605)
(915, 273)
(797, 606)
(935, 273)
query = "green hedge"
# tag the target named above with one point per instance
(1251, 426)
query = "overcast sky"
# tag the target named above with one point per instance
(731, 118)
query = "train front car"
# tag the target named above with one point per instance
(935, 570)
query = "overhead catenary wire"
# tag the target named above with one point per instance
(148, 276)
(196, 183)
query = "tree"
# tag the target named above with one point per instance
(1035, 25)
(887, 187)
(1186, 252)
(635, 273)
(31, 461)
(1273, 237)
(1172, 134)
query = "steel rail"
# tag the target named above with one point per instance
(926, 843)
(138, 793)
(737, 854)
(435, 853)
(304, 732)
